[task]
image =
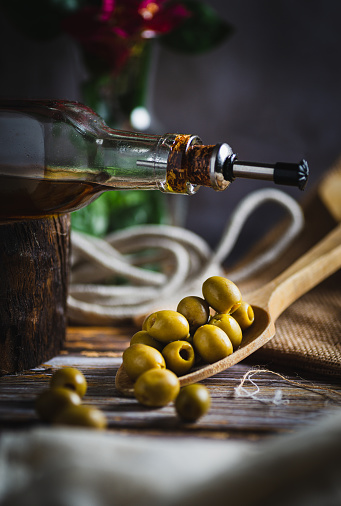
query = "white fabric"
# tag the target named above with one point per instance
(184, 261)
(73, 467)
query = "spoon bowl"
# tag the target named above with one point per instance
(268, 303)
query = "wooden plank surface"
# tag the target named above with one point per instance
(97, 352)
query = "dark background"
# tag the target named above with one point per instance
(272, 91)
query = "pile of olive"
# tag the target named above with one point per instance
(60, 404)
(172, 342)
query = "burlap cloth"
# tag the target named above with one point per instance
(308, 334)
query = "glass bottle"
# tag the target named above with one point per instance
(57, 156)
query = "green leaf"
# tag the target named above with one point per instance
(201, 32)
(115, 210)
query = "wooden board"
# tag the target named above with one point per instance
(97, 352)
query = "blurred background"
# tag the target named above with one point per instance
(271, 90)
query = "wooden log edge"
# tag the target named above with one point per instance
(34, 271)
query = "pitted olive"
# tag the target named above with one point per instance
(52, 401)
(196, 311)
(212, 343)
(156, 387)
(179, 356)
(167, 325)
(69, 377)
(229, 325)
(221, 294)
(82, 416)
(142, 337)
(192, 402)
(138, 358)
(244, 315)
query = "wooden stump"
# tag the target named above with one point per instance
(34, 267)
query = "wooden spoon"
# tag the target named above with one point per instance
(268, 303)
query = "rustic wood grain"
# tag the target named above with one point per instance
(97, 352)
(34, 274)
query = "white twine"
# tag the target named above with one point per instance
(241, 391)
(240, 216)
(181, 259)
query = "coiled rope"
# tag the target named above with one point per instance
(160, 264)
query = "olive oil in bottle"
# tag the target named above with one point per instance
(58, 156)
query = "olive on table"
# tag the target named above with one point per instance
(244, 315)
(179, 356)
(192, 402)
(167, 325)
(53, 401)
(196, 311)
(82, 416)
(138, 358)
(221, 294)
(229, 325)
(157, 387)
(212, 343)
(142, 337)
(71, 378)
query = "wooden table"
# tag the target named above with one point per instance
(97, 352)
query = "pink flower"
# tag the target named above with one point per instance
(107, 9)
(111, 31)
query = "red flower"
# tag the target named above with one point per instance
(111, 31)
(108, 7)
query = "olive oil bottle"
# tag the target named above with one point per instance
(58, 156)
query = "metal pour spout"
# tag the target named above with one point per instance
(289, 174)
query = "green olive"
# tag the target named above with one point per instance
(196, 311)
(229, 325)
(145, 321)
(221, 294)
(157, 387)
(192, 402)
(197, 358)
(212, 343)
(138, 358)
(69, 377)
(52, 401)
(179, 356)
(167, 325)
(82, 416)
(244, 315)
(142, 337)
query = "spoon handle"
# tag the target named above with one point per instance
(317, 264)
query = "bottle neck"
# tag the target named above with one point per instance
(181, 164)
(129, 160)
(173, 163)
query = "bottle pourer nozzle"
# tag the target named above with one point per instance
(289, 174)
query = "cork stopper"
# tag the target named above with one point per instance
(192, 164)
